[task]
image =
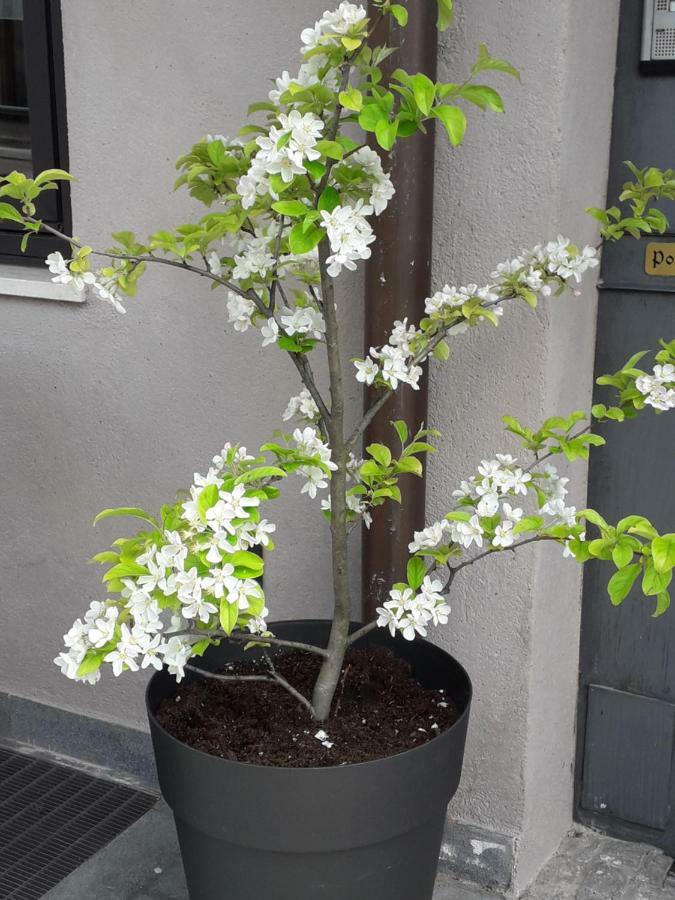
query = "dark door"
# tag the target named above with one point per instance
(625, 775)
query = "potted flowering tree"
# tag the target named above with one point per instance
(316, 758)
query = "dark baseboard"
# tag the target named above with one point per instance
(120, 752)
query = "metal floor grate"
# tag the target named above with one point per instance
(53, 818)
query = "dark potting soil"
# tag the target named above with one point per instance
(379, 710)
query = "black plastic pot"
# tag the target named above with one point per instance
(370, 831)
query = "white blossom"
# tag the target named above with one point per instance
(239, 311)
(302, 406)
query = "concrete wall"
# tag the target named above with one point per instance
(98, 410)
(517, 181)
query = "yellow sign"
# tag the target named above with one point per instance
(660, 259)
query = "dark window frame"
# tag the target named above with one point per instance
(45, 81)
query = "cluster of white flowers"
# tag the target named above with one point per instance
(304, 320)
(308, 443)
(239, 311)
(538, 269)
(410, 613)
(185, 578)
(658, 389)
(349, 234)
(325, 32)
(302, 407)
(452, 298)
(382, 188)
(395, 362)
(105, 289)
(283, 151)
(332, 26)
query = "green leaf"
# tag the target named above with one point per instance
(529, 523)
(488, 63)
(416, 571)
(454, 122)
(351, 43)
(260, 473)
(401, 430)
(370, 469)
(400, 13)
(655, 582)
(331, 149)
(592, 516)
(386, 132)
(207, 499)
(247, 564)
(622, 553)
(371, 115)
(229, 613)
(292, 208)
(529, 297)
(329, 199)
(89, 664)
(662, 604)
(216, 152)
(424, 91)
(107, 556)
(483, 96)
(663, 553)
(445, 14)
(301, 241)
(52, 175)
(380, 453)
(315, 168)
(441, 351)
(7, 211)
(460, 515)
(409, 464)
(351, 99)
(124, 570)
(601, 548)
(130, 511)
(621, 582)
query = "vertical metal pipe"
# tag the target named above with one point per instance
(398, 278)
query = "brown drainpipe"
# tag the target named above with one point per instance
(398, 279)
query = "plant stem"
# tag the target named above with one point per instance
(362, 632)
(246, 637)
(329, 676)
(272, 678)
(491, 552)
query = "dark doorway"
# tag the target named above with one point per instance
(625, 783)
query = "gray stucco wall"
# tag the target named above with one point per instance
(517, 181)
(98, 410)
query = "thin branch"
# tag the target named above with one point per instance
(213, 676)
(361, 633)
(274, 678)
(280, 680)
(491, 552)
(245, 637)
(205, 273)
(540, 459)
(277, 254)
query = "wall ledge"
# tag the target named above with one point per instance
(35, 284)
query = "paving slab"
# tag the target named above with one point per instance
(590, 866)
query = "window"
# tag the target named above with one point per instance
(32, 114)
